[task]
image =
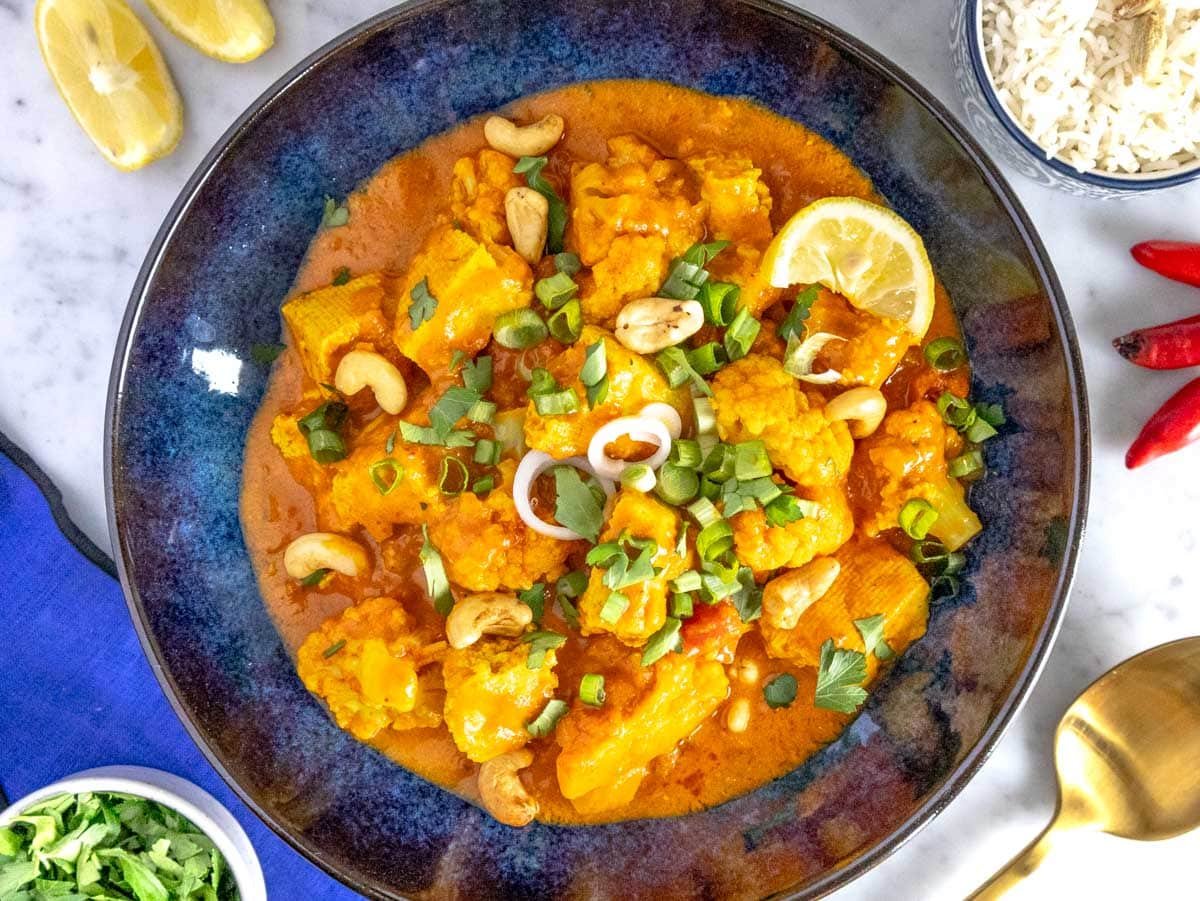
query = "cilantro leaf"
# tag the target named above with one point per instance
(266, 354)
(531, 167)
(576, 506)
(780, 691)
(341, 277)
(793, 324)
(539, 643)
(871, 630)
(452, 406)
(423, 304)
(437, 583)
(840, 675)
(534, 597)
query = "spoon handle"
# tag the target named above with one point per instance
(1027, 860)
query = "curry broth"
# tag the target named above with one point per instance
(390, 215)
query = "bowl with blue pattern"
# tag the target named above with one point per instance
(185, 388)
(995, 125)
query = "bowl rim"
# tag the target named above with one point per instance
(186, 798)
(1080, 478)
(1132, 182)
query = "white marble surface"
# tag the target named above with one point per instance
(73, 232)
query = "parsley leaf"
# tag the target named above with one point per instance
(747, 599)
(871, 630)
(793, 324)
(780, 691)
(437, 583)
(840, 675)
(334, 215)
(423, 304)
(534, 597)
(539, 643)
(452, 406)
(576, 506)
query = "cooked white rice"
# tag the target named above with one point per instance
(1061, 68)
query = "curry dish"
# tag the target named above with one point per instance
(617, 446)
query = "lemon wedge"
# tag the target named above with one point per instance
(114, 80)
(234, 31)
(860, 250)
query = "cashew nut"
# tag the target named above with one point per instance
(502, 792)
(737, 717)
(528, 215)
(324, 550)
(528, 140)
(863, 408)
(365, 368)
(652, 324)
(786, 597)
(486, 614)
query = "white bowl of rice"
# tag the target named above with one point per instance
(1098, 97)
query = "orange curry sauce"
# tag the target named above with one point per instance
(390, 215)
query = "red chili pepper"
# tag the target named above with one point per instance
(1177, 260)
(1173, 345)
(1176, 424)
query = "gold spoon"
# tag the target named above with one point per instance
(1128, 757)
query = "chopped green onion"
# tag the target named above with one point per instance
(567, 263)
(519, 329)
(554, 711)
(597, 393)
(979, 431)
(675, 366)
(591, 689)
(541, 382)
(595, 364)
(704, 512)
(916, 517)
(556, 290)
(763, 489)
(663, 641)
(456, 360)
(714, 540)
(567, 324)
(453, 477)
(329, 415)
(685, 452)
(682, 606)
(740, 335)
(333, 648)
(793, 324)
(531, 167)
(487, 451)
(385, 485)
(966, 464)
(786, 508)
(720, 300)
(423, 304)
(572, 585)
(721, 463)
(956, 411)
(684, 281)
(685, 582)
(992, 414)
(928, 552)
(483, 411)
(750, 460)
(483, 484)
(557, 403)
(334, 214)
(705, 415)
(314, 578)
(943, 587)
(477, 374)
(639, 477)
(604, 554)
(707, 358)
(780, 691)
(437, 585)
(341, 277)
(539, 644)
(677, 484)
(709, 489)
(326, 446)
(420, 434)
(614, 606)
(700, 254)
(945, 354)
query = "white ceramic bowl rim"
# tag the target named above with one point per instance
(1120, 181)
(204, 811)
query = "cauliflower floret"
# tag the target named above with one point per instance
(487, 546)
(473, 283)
(328, 320)
(356, 499)
(739, 201)
(764, 547)
(492, 694)
(633, 382)
(643, 517)
(369, 664)
(477, 189)
(905, 459)
(629, 217)
(606, 751)
(873, 348)
(874, 579)
(755, 399)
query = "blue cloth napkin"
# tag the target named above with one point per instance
(76, 690)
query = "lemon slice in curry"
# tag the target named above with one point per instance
(860, 250)
(110, 73)
(235, 31)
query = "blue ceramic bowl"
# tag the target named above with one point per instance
(184, 390)
(1006, 138)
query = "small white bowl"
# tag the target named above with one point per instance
(190, 801)
(993, 124)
